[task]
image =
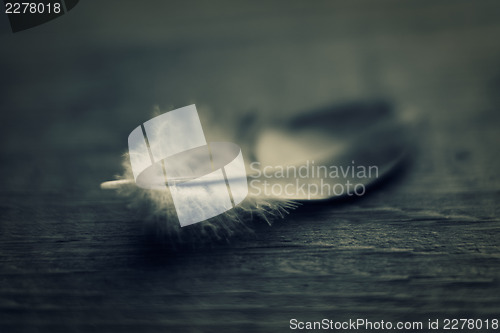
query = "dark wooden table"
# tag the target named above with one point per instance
(423, 245)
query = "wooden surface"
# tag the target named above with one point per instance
(423, 245)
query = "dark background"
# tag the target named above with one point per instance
(425, 245)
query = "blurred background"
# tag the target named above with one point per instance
(71, 90)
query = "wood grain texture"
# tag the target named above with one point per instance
(424, 244)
